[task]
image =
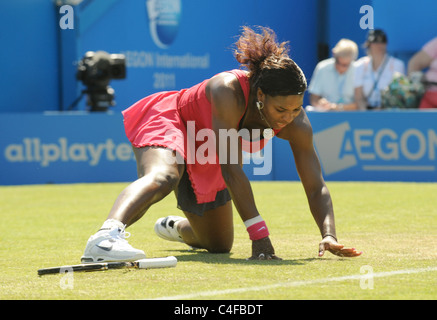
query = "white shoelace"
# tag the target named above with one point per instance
(121, 235)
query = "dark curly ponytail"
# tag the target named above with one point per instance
(270, 67)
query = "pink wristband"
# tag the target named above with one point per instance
(258, 231)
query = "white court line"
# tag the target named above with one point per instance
(301, 283)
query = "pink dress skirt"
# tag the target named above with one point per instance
(162, 120)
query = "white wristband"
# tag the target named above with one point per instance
(252, 221)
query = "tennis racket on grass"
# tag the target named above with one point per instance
(150, 263)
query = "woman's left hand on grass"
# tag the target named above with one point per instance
(329, 243)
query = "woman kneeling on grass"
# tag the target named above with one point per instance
(266, 100)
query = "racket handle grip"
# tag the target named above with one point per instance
(153, 263)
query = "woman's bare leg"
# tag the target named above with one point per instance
(213, 231)
(157, 177)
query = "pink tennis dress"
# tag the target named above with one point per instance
(173, 120)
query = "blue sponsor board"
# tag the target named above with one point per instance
(352, 146)
(78, 147)
(37, 149)
(369, 146)
(175, 44)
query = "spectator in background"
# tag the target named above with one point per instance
(426, 58)
(375, 71)
(332, 83)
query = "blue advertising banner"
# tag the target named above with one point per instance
(175, 44)
(67, 148)
(369, 146)
(352, 146)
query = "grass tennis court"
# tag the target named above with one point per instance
(394, 224)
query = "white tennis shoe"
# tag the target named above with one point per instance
(166, 228)
(110, 245)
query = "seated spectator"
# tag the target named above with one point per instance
(426, 58)
(332, 83)
(374, 72)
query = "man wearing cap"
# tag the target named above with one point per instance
(375, 71)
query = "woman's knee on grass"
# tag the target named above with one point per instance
(211, 239)
(222, 247)
(218, 242)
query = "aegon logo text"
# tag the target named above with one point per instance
(340, 148)
(164, 18)
(33, 150)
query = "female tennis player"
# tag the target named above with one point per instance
(265, 100)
